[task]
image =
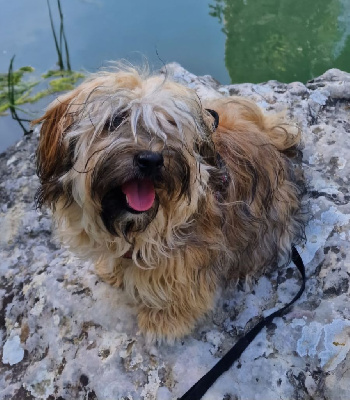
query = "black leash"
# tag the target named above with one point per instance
(198, 390)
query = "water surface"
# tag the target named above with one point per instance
(232, 40)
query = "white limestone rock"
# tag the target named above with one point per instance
(75, 337)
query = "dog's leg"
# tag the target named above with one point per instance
(172, 298)
(112, 271)
(179, 312)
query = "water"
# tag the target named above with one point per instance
(232, 40)
(286, 40)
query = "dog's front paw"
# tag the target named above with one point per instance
(112, 274)
(164, 325)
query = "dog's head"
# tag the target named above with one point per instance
(121, 147)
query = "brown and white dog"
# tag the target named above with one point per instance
(169, 195)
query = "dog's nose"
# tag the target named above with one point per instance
(149, 161)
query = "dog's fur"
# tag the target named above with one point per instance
(226, 203)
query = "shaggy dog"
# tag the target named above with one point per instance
(169, 195)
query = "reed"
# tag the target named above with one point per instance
(12, 98)
(15, 91)
(60, 39)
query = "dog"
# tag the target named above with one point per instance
(170, 196)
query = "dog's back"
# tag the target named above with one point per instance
(262, 201)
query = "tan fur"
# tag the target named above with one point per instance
(227, 206)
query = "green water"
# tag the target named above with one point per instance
(286, 40)
(232, 40)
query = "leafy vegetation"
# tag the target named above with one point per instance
(16, 90)
(18, 87)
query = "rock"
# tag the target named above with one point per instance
(67, 335)
(12, 351)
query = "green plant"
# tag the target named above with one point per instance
(15, 90)
(61, 40)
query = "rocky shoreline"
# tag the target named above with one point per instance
(64, 334)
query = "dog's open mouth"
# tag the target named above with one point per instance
(139, 194)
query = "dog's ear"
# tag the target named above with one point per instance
(215, 115)
(51, 152)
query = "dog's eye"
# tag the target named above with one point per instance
(115, 121)
(171, 122)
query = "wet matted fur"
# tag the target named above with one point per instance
(166, 203)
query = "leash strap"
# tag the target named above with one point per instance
(198, 390)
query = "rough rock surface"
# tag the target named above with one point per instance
(67, 335)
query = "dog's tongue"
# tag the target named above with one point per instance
(140, 194)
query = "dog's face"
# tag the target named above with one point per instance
(122, 149)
